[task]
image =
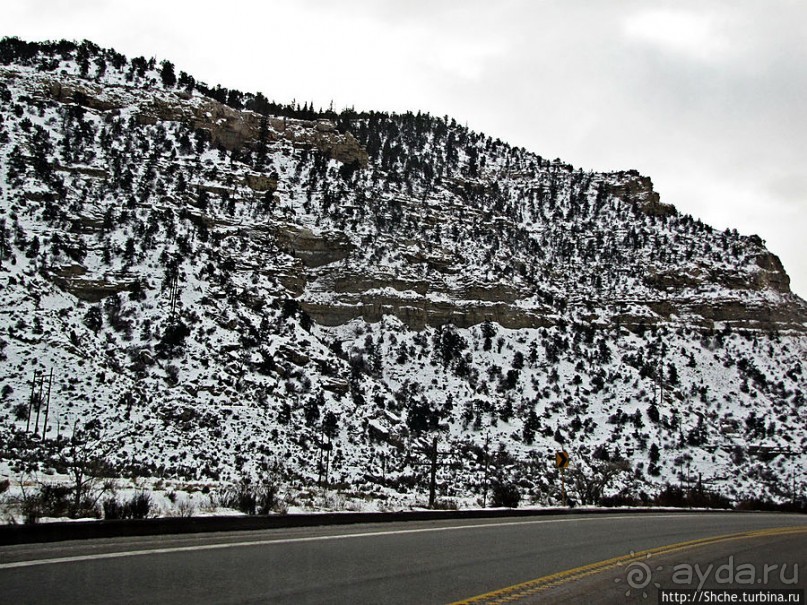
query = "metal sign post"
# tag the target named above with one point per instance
(562, 462)
(563, 484)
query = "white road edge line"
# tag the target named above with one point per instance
(374, 534)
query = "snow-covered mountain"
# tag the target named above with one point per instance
(222, 285)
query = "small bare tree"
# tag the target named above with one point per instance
(84, 459)
(590, 484)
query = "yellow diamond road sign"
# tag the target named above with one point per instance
(561, 459)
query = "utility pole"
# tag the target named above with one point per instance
(321, 454)
(661, 370)
(174, 294)
(689, 485)
(39, 402)
(433, 460)
(328, 448)
(487, 472)
(31, 402)
(47, 405)
(433, 473)
(658, 384)
(324, 452)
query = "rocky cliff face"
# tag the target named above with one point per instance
(679, 292)
(204, 268)
(754, 295)
(225, 126)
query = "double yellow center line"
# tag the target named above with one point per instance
(512, 594)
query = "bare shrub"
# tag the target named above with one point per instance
(185, 507)
(54, 500)
(252, 499)
(590, 486)
(139, 506)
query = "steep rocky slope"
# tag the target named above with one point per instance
(223, 285)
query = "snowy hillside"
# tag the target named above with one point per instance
(224, 287)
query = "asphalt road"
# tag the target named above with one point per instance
(416, 562)
(763, 562)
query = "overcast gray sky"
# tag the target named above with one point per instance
(706, 97)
